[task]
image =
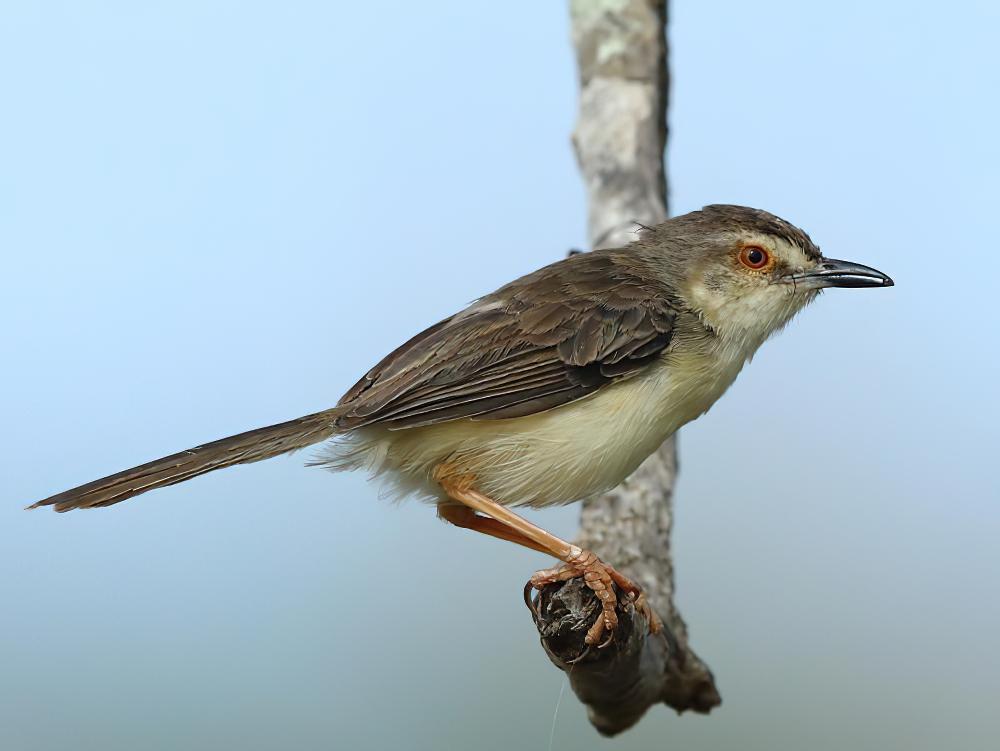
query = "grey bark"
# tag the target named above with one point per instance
(620, 139)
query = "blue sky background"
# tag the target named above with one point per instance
(215, 216)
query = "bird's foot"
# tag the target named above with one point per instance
(601, 578)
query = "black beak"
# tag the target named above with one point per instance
(830, 272)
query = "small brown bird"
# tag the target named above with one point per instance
(553, 388)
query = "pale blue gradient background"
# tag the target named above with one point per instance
(215, 216)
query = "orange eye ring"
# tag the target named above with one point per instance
(754, 257)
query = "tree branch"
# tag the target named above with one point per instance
(620, 139)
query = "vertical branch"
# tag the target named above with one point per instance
(620, 139)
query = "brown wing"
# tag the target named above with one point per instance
(544, 340)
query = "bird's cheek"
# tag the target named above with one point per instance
(706, 292)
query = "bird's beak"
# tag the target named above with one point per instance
(830, 272)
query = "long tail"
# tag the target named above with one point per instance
(252, 446)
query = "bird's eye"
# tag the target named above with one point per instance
(754, 257)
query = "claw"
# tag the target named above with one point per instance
(584, 653)
(535, 615)
(595, 631)
(642, 606)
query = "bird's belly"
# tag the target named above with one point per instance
(553, 457)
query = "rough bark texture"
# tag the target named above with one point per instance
(620, 139)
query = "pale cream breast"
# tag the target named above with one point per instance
(553, 457)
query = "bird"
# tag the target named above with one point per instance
(551, 389)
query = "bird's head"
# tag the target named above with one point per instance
(747, 272)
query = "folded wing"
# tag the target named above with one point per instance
(542, 341)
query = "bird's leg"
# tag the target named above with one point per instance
(498, 521)
(466, 518)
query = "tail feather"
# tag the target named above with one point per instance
(252, 446)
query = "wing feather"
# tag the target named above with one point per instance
(539, 342)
